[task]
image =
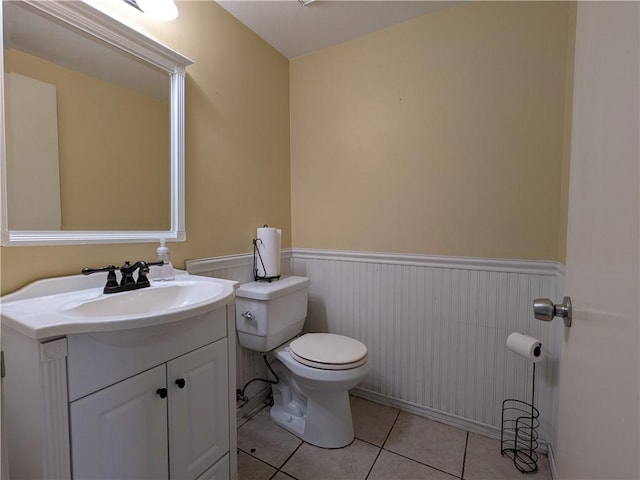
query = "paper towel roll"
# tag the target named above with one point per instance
(268, 242)
(526, 346)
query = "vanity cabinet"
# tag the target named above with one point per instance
(175, 404)
(151, 402)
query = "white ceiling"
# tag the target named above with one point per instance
(295, 30)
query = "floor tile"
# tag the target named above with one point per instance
(390, 466)
(484, 462)
(250, 468)
(352, 462)
(428, 442)
(372, 421)
(263, 439)
(280, 476)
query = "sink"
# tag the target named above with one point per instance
(147, 301)
(61, 306)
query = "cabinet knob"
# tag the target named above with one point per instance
(180, 383)
(162, 392)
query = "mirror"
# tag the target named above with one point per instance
(93, 126)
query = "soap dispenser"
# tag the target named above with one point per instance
(164, 272)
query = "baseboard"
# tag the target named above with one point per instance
(437, 415)
(253, 404)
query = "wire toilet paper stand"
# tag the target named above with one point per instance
(256, 253)
(519, 433)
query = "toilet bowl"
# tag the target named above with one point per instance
(312, 402)
(315, 371)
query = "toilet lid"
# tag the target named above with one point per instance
(328, 351)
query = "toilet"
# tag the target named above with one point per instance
(315, 370)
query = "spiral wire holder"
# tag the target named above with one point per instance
(519, 433)
(256, 252)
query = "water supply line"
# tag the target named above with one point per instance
(240, 391)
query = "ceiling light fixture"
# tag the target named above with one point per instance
(160, 9)
(304, 3)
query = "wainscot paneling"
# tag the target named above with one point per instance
(435, 328)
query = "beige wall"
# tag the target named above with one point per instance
(114, 164)
(566, 143)
(237, 148)
(442, 135)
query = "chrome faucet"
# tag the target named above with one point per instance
(127, 282)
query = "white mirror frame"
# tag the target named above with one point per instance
(103, 27)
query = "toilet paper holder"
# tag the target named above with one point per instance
(519, 431)
(545, 310)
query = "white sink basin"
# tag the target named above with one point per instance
(60, 306)
(146, 301)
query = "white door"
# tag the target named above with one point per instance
(599, 423)
(121, 432)
(198, 410)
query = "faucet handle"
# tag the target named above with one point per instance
(89, 270)
(112, 281)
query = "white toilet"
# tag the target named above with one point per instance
(316, 370)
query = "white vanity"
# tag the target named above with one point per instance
(137, 384)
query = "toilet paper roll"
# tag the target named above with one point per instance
(526, 346)
(268, 241)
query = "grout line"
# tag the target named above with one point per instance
(287, 459)
(422, 463)
(259, 459)
(366, 441)
(391, 429)
(374, 463)
(380, 446)
(464, 457)
(356, 437)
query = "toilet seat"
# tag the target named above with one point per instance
(328, 351)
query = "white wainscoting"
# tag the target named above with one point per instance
(435, 328)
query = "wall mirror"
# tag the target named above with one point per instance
(93, 126)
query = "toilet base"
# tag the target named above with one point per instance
(325, 422)
(311, 410)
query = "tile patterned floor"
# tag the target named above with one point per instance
(389, 445)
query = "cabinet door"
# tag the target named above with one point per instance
(198, 410)
(120, 432)
(220, 471)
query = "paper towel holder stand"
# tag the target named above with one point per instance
(256, 255)
(545, 310)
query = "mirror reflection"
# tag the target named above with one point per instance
(88, 131)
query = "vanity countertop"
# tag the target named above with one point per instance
(76, 304)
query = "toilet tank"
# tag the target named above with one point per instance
(270, 313)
